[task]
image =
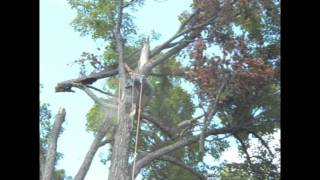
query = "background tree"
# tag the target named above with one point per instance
(229, 52)
(45, 130)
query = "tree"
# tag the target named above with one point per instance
(48, 141)
(236, 87)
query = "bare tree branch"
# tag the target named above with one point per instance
(172, 132)
(104, 142)
(181, 32)
(180, 46)
(186, 40)
(52, 149)
(166, 44)
(128, 4)
(151, 64)
(66, 86)
(103, 92)
(189, 121)
(93, 96)
(89, 93)
(146, 159)
(188, 20)
(119, 42)
(181, 164)
(93, 149)
(210, 115)
(161, 47)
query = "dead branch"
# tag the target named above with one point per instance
(52, 149)
(66, 86)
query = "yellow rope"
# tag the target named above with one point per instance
(118, 117)
(132, 102)
(138, 127)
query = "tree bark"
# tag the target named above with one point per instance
(119, 169)
(52, 149)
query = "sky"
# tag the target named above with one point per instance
(60, 45)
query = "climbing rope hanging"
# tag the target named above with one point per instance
(138, 126)
(119, 95)
(132, 103)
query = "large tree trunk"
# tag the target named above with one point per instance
(119, 169)
(52, 149)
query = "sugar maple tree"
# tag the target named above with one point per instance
(229, 51)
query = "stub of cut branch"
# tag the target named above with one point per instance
(66, 86)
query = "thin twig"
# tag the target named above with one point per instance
(103, 92)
